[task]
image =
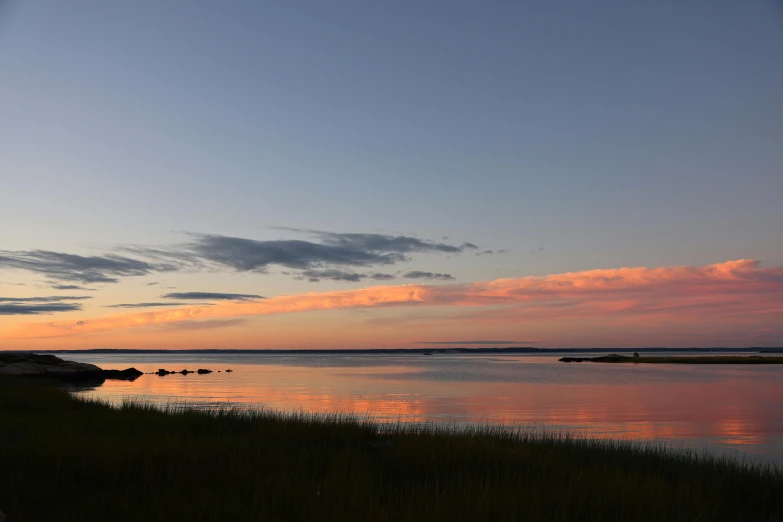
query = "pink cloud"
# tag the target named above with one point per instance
(736, 291)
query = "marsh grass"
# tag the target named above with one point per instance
(66, 459)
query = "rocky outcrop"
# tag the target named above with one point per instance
(162, 371)
(38, 365)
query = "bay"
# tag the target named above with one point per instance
(735, 410)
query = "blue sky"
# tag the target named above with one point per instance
(576, 135)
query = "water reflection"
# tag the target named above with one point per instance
(719, 407)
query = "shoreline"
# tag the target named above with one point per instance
(714, 359)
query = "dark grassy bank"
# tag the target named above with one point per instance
(701, 359)
(66, 460)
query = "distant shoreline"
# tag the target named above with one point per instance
(714, 359)
(450, 350)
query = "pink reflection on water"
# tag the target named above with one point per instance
(727, 407)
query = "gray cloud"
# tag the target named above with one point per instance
(45, 299)
(331, 274)
(72, 287)
(485, 253)
(246, 255)
(59, 266)
(382, 277)
(327, 258)
(211, 296)
(418, 274)
(315, 276)
(330, 255)
(39, 305)
(386, 243)
(35, 309)
(143, 305)
(477, 342)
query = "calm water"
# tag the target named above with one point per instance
(727, 409)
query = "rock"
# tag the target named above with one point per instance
(79, 367)
(128, 374)
(15, 357)
(24, 368)
(163, 371)
(57, 371)
(229, 371)
(36, 365)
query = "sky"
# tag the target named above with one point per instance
(247, 174)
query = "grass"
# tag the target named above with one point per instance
(68, 460)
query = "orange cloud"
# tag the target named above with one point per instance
(736, 288)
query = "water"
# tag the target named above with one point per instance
(734, 410)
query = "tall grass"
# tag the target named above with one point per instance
(64, 459)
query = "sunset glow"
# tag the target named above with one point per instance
(737, 296)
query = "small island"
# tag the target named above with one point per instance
(700, 359)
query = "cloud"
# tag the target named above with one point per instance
(476, 342)
(39, 305)
(143, 305)
(59, 266)
(326, 259)
(211, 296)
(485, 253)
(334, 256)
(341, 275)
(386, 243)
(72, 287)
(735, 292)
(35, 309)
(46, 299)
(382, 277)
(332, 274)
(418, 274)
(246, 255)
